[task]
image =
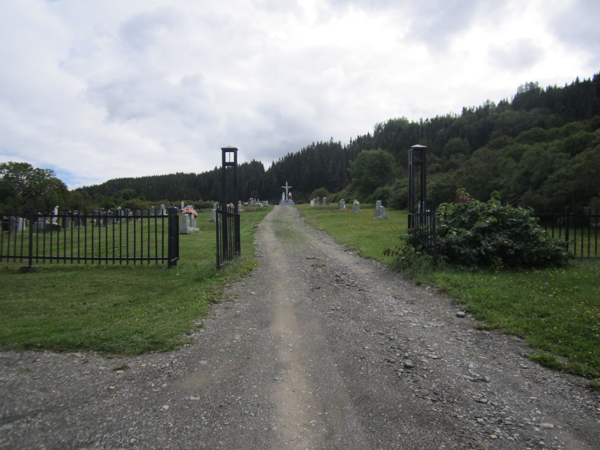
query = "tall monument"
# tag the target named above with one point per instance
(286, 199)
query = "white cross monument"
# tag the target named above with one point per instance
(286, 200)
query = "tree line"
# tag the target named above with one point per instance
(541, 148)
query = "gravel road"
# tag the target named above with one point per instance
(316, 349)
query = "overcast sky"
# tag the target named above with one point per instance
(101, 89)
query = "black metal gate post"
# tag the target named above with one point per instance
(417, 182)
(228, 221)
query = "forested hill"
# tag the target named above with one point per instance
(541, 148)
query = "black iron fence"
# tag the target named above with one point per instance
(89, 238)
(579, 231)
(228, 235)
(422, 227)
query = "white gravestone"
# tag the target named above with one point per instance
(380, 211)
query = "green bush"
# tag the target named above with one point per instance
(398, 198)
(475, 233)
(320, 192)
(381, 193)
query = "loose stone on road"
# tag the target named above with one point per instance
(316, 349)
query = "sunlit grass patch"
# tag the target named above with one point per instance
(119, 309)
(557, 311)
(360, 231)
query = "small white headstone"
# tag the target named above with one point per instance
(380, 211)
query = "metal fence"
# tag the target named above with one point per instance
(422, 226)
(100, 237)
(579, 231)
(228, 236)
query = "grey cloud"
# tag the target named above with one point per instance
(143, 30)
(579, 27)
(520, 55)
(151, 95)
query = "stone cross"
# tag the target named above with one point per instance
(286, 187)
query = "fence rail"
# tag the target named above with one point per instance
(228, 236)
(579, 231)
(99, 237)
(424, 226)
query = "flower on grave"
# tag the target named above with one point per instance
(190, 210)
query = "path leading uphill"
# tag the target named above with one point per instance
(316, 349)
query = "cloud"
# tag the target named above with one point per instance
(518, 55)
(575, 23)
(98, 90)
(145, 29)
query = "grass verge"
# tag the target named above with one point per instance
(359, 231)
(557, 311)
(119, 309)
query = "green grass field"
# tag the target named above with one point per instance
(359, 230)
(557, 311)
(119, 309)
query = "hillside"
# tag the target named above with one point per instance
(541, 149)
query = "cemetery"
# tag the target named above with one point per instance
(160, 236)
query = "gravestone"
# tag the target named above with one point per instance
(355, 206)
(138, 215)
(266, 203)
(325, 201)
(151, 212)
(163, 211)
(312, 202)
(76, 220)
(318, 202)
(380, 210)
(38, 224)
(214, 213)
(127, 214)
(64, 221)
(342, 204)
(16, 224)
(185, 229)
(55, 215)
(239, 206)
(182, 205)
